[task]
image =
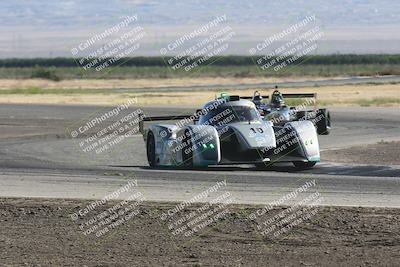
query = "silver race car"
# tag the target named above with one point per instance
(279, 113)
(227, 131)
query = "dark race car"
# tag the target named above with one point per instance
(279, 113)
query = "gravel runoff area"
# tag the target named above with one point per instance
(382, 153)
(44, 232)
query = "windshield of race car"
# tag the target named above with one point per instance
(230, 114)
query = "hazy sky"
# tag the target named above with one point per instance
(52, 27)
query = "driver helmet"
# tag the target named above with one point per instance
(277, 99)
(257, 98)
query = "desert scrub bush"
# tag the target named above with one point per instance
(45, 73)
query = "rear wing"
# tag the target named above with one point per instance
(251, 97)
(295, 95)
(307, 95)
(143, 118)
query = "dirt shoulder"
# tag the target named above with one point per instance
(41, 232)
(382, 153)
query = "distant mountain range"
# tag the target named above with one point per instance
(51, 27)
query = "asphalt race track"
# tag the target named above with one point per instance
(38, 158)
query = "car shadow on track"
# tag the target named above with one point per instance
(330, 169)
(287, 168)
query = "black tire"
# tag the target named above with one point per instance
(301, 165)
(187, 151)
(324, 124)
(151, 149)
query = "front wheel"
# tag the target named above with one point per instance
(301, 165)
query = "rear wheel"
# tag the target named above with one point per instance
(151, 149)
(187, 150)
(301, 165)
(324, 124)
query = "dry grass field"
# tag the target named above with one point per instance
(102, 92)
(140, 83)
